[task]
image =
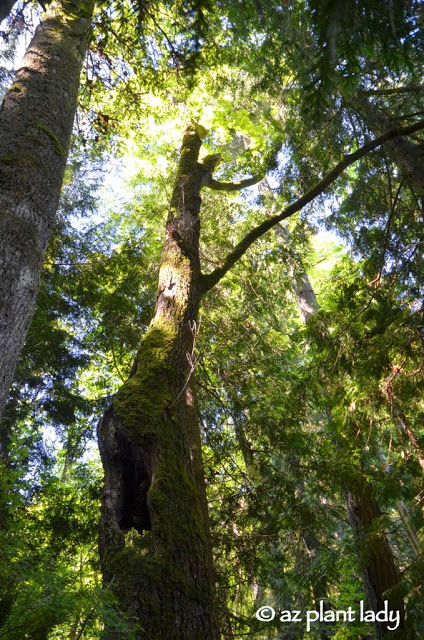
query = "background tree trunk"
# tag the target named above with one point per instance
(36, 119)
(375, 555)
(307, 520)
(149, 441)
(407, 155)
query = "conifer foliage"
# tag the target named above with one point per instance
(211, 320)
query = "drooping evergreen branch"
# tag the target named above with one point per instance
(208, 281)
(232, 186)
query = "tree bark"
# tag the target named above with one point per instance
(36, 119)
(410, 531)
(377, 562)
(149, 442)
(407, 155)
(376, 559)
(305, 295)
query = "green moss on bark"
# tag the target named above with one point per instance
(142, 399)
(16, 87)
(164, 578)
(146, 406)
(56, 142)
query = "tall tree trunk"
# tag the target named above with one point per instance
(149, 441)
(403, 423)
(376, 558)
(410, 531)
(36, 119)
(305, 295)
(312, 546)
(407, 155)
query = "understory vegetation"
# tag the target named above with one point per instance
(303, 365)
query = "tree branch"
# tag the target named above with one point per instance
(92, 610)
(413, 88)
(208, 281)
(232, 186)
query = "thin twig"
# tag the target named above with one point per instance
(91, 612)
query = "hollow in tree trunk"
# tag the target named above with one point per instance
(149, 441)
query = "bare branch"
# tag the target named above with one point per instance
(208, 281)
(232, 186)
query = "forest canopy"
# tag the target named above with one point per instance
(211, 320)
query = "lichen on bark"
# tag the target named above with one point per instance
(149, 440)
(36, 118)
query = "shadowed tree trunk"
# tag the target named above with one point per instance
(36, 119)
(376, 558)
(403, 423)
(149, 437)
(149, 441)
(312, 546)
(377, 562)
(408, 155)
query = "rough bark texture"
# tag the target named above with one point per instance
(407, 155)
(376, 558)
(303, 290)
(36, 119)
(149, 441)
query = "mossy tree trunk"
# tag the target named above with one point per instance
(149, 441)
(36, 119)
(149, 436)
